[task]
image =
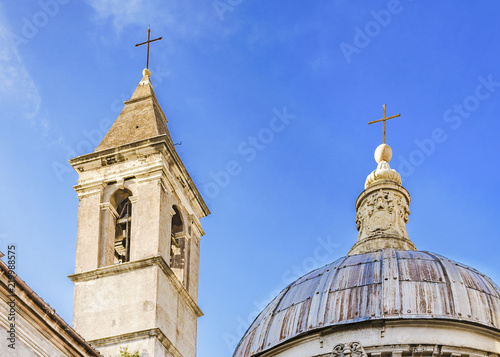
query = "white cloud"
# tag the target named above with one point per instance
(17, 86)
(182, 19)
(131, 12)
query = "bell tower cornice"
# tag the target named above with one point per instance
(95, 169)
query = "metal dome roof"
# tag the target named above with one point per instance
(386, 284)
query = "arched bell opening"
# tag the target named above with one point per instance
(123, 224)
(115, 230)
(178, 246)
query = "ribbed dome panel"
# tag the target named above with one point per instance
(386, 284)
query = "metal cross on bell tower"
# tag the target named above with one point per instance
(384, 119)
(148, 42)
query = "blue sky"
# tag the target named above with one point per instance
(282, 196)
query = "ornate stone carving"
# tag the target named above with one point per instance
(383, 213)
(354, 349)
(382, 174)
(382, 209)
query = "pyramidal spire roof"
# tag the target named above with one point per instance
(141, 118)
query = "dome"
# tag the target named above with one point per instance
(385, 298)
(379, 285)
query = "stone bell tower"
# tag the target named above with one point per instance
(138, 238)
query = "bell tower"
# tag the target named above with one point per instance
(138, 238)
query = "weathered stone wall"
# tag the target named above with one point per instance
(126, 304)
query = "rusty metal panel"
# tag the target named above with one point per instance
(357, 275)
(288, 323)
(480, 306)
(420, 270)
(244, 348)
(320, 297)
(391, 298)
(476, 281)
(425, 298)
(299, 292)
(268, 320)
(353, 304)
(410, 254)
(363, 258)
(459, 298)
(353, 276)
(495, 311)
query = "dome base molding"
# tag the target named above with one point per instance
(395, 338)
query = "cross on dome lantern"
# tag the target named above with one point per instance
(384, 119)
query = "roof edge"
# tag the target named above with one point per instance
(50, 312)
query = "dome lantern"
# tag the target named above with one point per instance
(382, 209)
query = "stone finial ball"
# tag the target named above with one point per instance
(146, 72)
(383, 152)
